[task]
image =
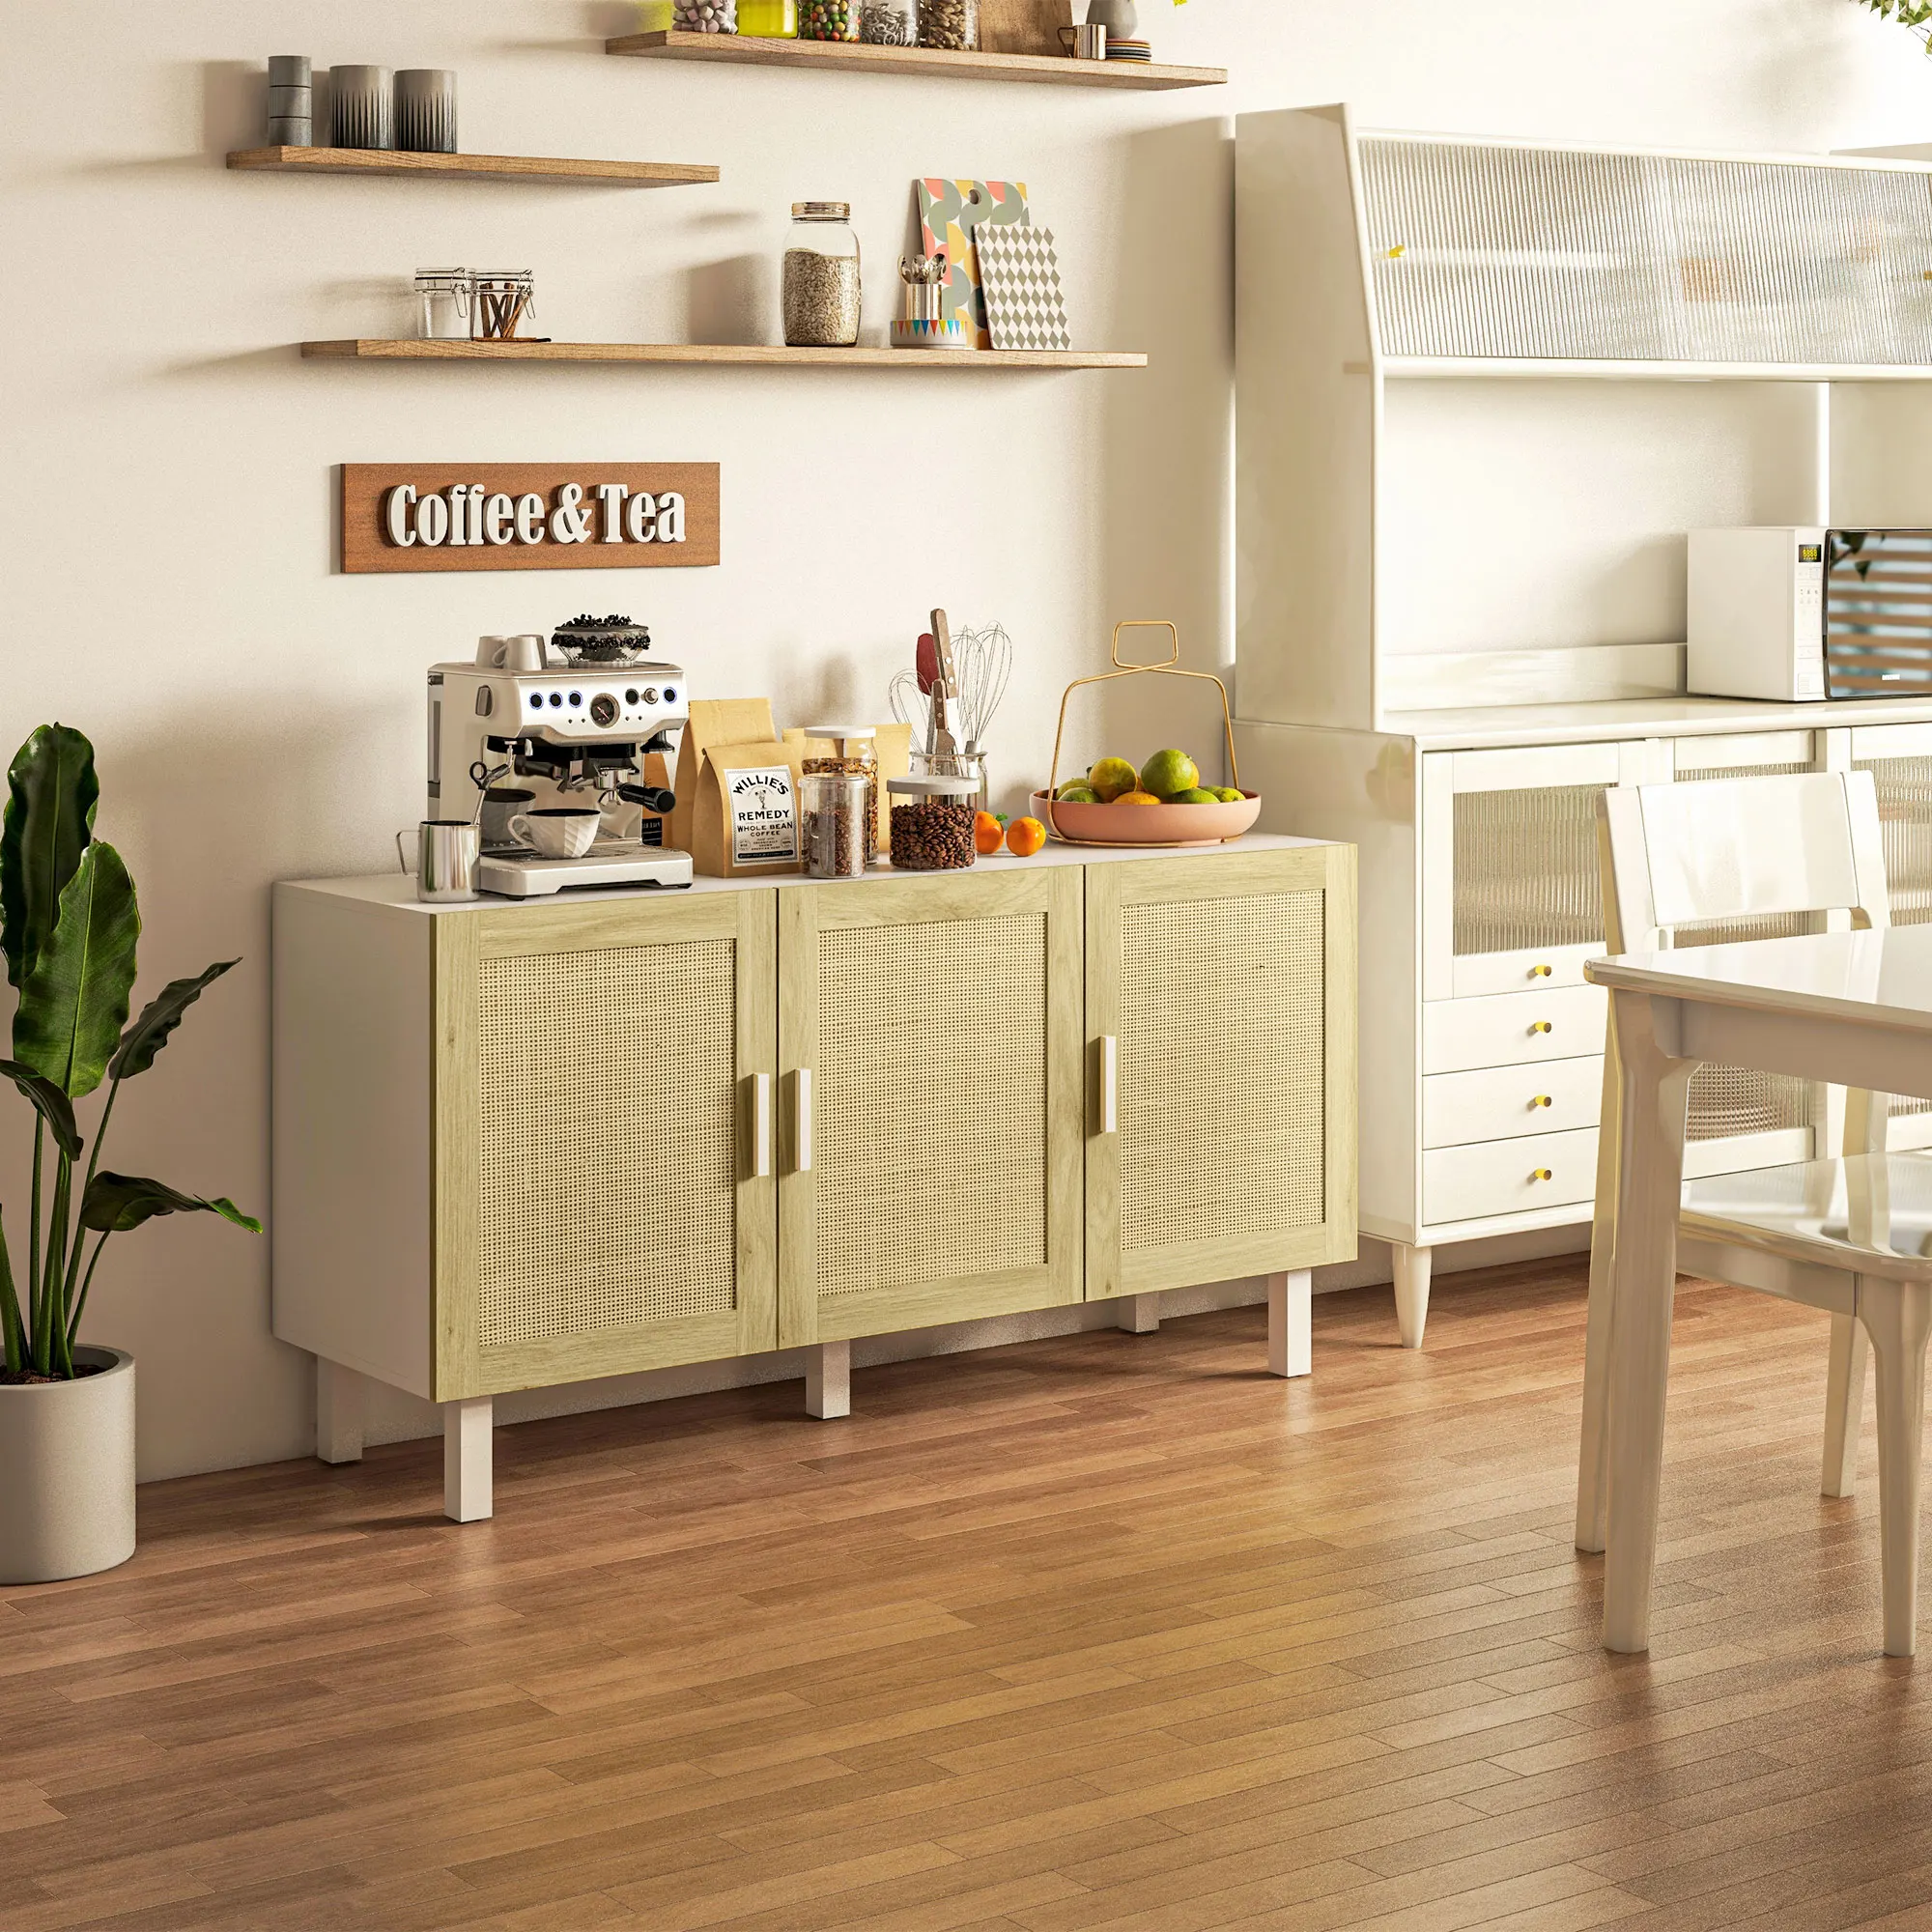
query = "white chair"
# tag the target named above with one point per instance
(1851, 1235)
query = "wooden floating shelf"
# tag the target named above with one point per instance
(858, 57)
(722, 355)
(467, 167)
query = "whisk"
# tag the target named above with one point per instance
(984, 662)
(909, 704)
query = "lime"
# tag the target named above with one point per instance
(1079, 794)
(1196, 797)
(1111, 776)
(1168, 773)
(1229, 795)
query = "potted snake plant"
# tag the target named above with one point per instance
(68, 928)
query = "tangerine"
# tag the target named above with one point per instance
(1025, 837)
(988, 834)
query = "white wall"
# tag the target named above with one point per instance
(165, 498)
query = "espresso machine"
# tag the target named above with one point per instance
(571, 724)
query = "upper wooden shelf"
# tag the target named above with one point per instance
(858, 57)
(468, 167)
(719, 355)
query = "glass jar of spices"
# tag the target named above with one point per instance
(836, 813)
(855, 754)
(768, 19)
(828, 19)
(821, 276)
(932, 824)
(889, 23)
(953, 25)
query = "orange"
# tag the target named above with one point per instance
(988, 834)
(1137, 798)
(1025, 837)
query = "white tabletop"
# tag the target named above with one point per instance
(1877, 978)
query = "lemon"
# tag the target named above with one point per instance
(1168, 773)
(1079, 794)
(1111, 776)
(1231, 795)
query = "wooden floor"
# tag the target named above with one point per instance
(1099, 1632)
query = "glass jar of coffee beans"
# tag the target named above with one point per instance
(836, 820)
(828, 19)
(932, 824)
(854, 754)
(889, 23)
(950, 25)
(821, 276)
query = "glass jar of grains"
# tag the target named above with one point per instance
(833, 805)
(821, 276)
(950, 25)
(854, 754)
(932, 824)
(889, 23)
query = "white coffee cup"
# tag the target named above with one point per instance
(558, 832)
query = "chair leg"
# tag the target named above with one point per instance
(1844, 1404)
(1898, 1317)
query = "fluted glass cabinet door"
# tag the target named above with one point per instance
(1221, 1068)
(603, 1203)
(929, 1100)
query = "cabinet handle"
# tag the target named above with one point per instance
(1541, 1101)
(1110, 1083)
(761, 1126)
(1541, 1026)
(1538, 972)
(1541, 1174)
(800, 1087)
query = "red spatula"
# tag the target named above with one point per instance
(926, 659)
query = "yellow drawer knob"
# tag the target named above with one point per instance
(1541, 1101)
(1541, 1026)
(1540, 971)
(1541, 1174)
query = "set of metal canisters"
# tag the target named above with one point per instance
(413, 110)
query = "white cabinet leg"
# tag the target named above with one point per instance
(466, 1461)
(1291, 1324)
(828, 1381)
(1899, 1317)
(1138, 1314)
(1411, 1291)
(338, 1412)
(1844, 1404)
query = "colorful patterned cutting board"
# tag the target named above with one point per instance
(948, 211)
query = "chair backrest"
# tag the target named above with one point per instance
(1677, 855)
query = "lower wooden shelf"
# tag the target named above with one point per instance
(467, 167)
(720, 354)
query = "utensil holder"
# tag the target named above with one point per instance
(363, 108)
(426, 110)
(1168, 666)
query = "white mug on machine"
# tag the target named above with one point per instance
(558, 832)
(447, 850)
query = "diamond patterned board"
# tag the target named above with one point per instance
(1019, 276)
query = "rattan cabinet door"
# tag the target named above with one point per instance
(600, 1201)
(1222, 991)
(929, 1109)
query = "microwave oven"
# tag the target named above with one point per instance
(1808, 615)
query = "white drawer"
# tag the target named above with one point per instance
(1475, 973)
(1509, 1029)
(1470, 1183)
(1497, 1103)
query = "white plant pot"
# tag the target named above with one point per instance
(67, 1494)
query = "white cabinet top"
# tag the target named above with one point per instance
(1640, 717)
(397, 890)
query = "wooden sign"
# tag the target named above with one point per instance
(529, 515)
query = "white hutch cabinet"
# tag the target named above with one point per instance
(1484, 389)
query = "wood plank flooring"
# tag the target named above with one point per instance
(1104, 1631)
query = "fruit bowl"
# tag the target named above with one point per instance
(1146, 824)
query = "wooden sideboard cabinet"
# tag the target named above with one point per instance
(524, 1144)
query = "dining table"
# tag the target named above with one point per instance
(1851, 1009)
